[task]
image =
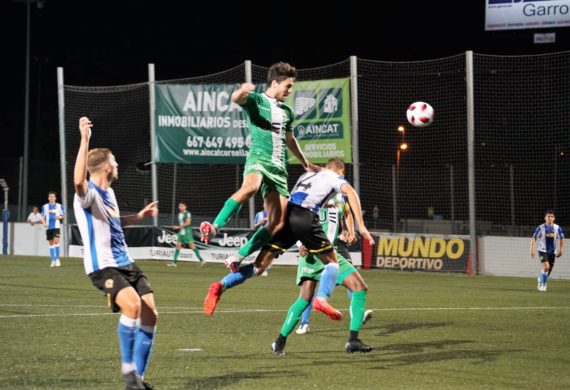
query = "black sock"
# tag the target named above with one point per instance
(353, 335)
(281, 339)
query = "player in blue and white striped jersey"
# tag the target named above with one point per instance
(546, 236)
(106, 259)
(52, 215)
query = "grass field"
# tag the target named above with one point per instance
(429, 332)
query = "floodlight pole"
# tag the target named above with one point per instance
(25, 168)
(5, 217)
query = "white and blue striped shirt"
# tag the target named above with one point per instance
(313, 189)
(99, 222)
(50, 213)
(546, 237)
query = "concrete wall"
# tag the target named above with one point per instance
(28, 240)
(510, 256)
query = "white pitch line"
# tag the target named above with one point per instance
(199, 311)
(34, 305)
(190, 350)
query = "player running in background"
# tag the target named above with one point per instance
(184, 236)
(270, 123)
(106, 260)
(313, 189)
(52, 215)
(546, 236)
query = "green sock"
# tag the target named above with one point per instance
(198, 255)
(293, 316)
(230, 208)
(260, 238)
(176, 254)
(357, 304)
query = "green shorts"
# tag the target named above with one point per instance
(274, 178)
(185, 239)
(310, 267)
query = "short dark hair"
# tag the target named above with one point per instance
(52, 193)
(281, 71)
(548, 212)
(335, 162)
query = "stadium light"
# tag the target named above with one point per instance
(402, 147)
(24, 196)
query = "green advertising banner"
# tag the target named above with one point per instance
(199, 124)
(322, 119)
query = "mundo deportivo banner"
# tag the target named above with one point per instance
(199, 124)
(422, 252)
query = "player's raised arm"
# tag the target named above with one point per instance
(239, 96)
(356, 208)
(80, 171)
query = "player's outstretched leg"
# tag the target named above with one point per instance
(229, 281)
(326, 287)
(211, 301)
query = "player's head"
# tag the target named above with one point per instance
(280, 78)
(52, 196)
(336, 165)
(549, 217)
(35, 209)
(182, 206)
(100, 161)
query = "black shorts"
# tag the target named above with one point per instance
(52, 233)
(111, 280)
(300, 225)
(550, 257)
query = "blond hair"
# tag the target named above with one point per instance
(97, 158)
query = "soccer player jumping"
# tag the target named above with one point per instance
(270, 125)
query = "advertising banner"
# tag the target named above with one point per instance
(422, 252)
(199, 124)
(322, 119)
(518, 14)
(148, 242)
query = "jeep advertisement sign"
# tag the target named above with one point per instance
(148, 242)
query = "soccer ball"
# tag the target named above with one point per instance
(420, 114)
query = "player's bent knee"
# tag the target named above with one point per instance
(130, 308)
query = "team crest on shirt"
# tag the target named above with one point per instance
(109, 283)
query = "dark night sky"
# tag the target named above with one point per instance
(110, 43)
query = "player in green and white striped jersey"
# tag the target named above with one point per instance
(270, 123)
(184, 236)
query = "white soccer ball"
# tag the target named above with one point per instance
(420, 114)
